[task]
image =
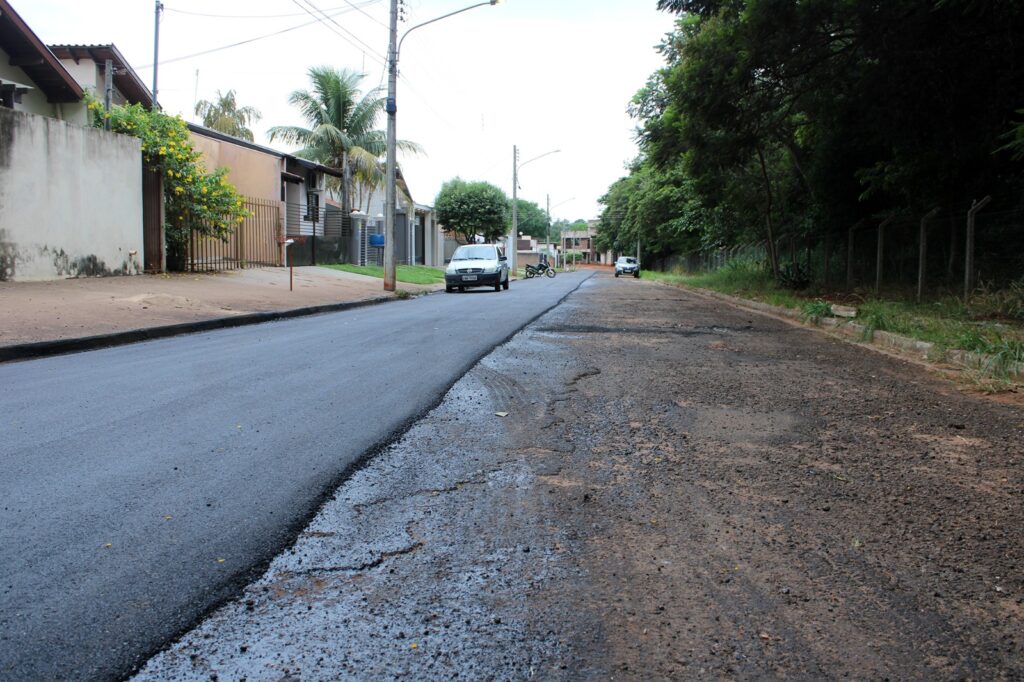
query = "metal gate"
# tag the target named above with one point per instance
(253, 242)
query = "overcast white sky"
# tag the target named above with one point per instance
(540, 74)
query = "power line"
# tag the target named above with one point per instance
(241, 42)
(274, 16)
(365, 47)
(366, 14)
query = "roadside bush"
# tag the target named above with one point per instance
(794, 276)
(1008, 302)
(194, 199)
(815, 311)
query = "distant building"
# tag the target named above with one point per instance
(582, 242)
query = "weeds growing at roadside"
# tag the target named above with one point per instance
(991, 326)
(814, 311)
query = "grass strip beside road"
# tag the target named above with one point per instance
(993, 325)
(410, 274)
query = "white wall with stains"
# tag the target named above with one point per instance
(70, 200)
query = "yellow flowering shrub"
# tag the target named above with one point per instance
(194, 199)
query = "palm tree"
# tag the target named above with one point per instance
(341, 131)
(224, 115)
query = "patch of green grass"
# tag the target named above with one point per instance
(410, 274)
(814, 311)
(991, 325)
(743, 278)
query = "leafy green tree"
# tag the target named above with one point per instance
(224, 114)
(472, 208)
(802, 119)
(532, 218)
(342, 131)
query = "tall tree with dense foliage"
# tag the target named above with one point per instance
(472, 208)
(532, 219)
(224, 115)
(777, 118)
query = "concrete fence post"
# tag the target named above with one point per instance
(922, 250)
(969, 247)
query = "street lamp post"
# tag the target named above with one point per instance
(546, 247)
(511, 247)
(394, 48)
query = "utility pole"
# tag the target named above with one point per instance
(547, 229)
(108, 90)
(156, 48)
(394, 48)
(511, 249)
(391, 108)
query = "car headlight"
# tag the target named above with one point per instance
(490, 270)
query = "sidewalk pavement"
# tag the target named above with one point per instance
(43, 318)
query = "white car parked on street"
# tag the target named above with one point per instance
(477, 265)
(627, 265)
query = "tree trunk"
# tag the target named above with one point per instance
(346, 185)
(773, 256)
(795, 158)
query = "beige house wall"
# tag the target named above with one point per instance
(253, 173)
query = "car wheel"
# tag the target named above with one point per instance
(448, 289)
(636, 274)
(505, 283)
(497, 286)
(616, 273)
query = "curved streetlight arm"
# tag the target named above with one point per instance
(553, 151)
(398, 50)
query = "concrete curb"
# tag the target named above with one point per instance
(920, 350)
(42, 349)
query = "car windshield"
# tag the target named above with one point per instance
(627, 261)
(477, 252)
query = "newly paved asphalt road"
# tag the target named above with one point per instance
(141, 485)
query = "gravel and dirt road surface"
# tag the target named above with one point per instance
(646, 484)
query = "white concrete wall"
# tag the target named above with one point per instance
(70, 200)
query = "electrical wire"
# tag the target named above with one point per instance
(240, 42)
(367, 15)
(365, 47)
(274, 16)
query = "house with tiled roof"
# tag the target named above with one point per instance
(32, 78)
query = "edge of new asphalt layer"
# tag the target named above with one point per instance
(231, 587)
(42, 349)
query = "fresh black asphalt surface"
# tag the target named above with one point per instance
(142, 485)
